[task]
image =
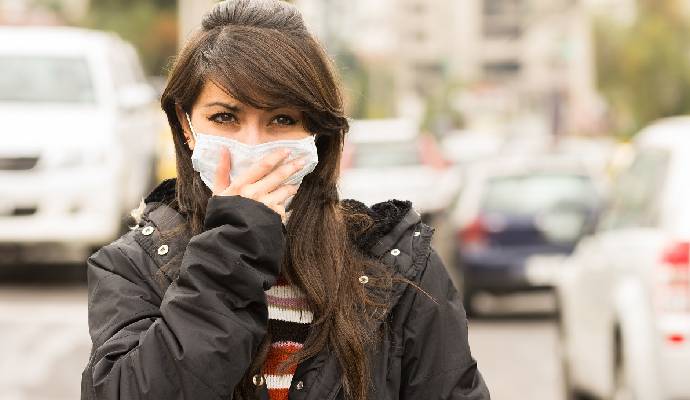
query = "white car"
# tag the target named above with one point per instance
(389, 159)
(625, 292)
(78, 141)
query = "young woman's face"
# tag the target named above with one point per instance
(217, 113)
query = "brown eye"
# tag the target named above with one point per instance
(284, 120)
(222, 118)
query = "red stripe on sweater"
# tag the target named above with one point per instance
(293, 303)
(278, 394)
(277, 356)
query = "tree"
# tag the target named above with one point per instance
(150, 25)
(644, 68)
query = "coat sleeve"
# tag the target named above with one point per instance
(437, 363)
(199, 340)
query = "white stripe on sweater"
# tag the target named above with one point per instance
(290, 315)
(285, 292)
(278, 381)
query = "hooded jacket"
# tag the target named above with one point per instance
(193, 334)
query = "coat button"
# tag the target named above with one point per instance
(258, 380)
(363, 279)
(299, 385)
(395, 252)
(163, 250)
(147, 230)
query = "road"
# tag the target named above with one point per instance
(518, 358)
(45, 344)
(43, 333)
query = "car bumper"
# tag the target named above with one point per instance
(502, 274)
(675, 356)
(498, 278)
(78, 208)
(676, 364)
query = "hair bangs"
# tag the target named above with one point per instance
(257, 70)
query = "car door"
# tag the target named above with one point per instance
(620, 252)
(136, 120)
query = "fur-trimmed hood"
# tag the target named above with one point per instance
(386, 215)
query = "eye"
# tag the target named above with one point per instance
(284, 120)
(222, 118)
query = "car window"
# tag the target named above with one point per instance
(385, 154)
(637, 191)
(125, 66)
(531, 194)
(39, 79)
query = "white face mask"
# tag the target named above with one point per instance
(207, 150)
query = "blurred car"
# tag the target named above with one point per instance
(513, 211)
(625, 291)
(389, 158)
(467, 146)
(78, 143)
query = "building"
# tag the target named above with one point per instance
(408, 36)
(537, 55)
(28, 12)
(190, 14)
(513, 57)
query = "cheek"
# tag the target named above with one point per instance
(211, 128)
(299, 133)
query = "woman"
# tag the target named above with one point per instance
(246, 277)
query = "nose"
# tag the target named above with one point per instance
(251, 132)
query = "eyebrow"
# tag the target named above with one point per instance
(238, 108)
(231, 107)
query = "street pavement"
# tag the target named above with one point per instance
(44, 342)
(518, 358)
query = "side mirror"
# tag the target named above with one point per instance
(135, 96)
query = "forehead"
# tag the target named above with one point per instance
(212, 92)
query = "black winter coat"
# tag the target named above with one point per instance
(195, 338)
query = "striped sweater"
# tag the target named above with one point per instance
(289, 320)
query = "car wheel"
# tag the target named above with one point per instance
(623, 390)
(570, 392)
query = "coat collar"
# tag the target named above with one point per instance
(391, 218)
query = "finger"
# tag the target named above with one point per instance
(277, 177)
(280, 195)
(280, 210)
(222, 176)
(262, 167)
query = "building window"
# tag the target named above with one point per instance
(502, 69)
(503, 18)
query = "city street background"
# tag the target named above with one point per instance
(547, 142)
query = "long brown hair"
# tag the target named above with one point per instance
(261, 53)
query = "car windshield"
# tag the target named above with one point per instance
(45, 79)
(386, 154)
(536, 193)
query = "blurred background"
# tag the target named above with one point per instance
(544, 140)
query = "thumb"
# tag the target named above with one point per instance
(222, 177)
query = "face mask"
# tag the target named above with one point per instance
(207, 148)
